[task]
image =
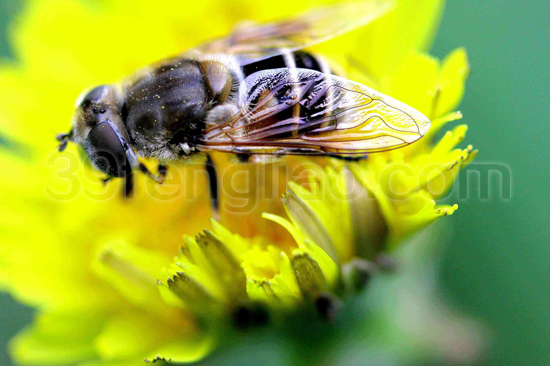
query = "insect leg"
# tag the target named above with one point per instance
(159, 179)
(350, 159)
(162, 170)
(258, 158)
(128, 186)
(213, 183)
(64, 139)
(243, 158)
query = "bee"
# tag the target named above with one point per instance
(255, 93)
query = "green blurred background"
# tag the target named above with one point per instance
(497, 265)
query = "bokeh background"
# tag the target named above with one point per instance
(496, 267)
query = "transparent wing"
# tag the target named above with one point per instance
(301, 111)
(256, 42)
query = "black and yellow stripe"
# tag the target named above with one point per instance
(287, 59)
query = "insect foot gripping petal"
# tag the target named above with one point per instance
(159, 179)
(63, 139)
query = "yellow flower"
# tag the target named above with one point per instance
(89, 262)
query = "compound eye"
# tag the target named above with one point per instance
(106, 151)
(95, 95)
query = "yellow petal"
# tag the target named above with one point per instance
(309, 275)
(452, 78)
(329, 268)
(225, 265)
(385, 44)
(296, 234)
(415, 82)
(133, 271)
(308, 222)
(193, 294)
(135, 335)
(53, 339)
(184, 350)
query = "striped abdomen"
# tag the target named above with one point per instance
(291, 60)
(298, 112)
